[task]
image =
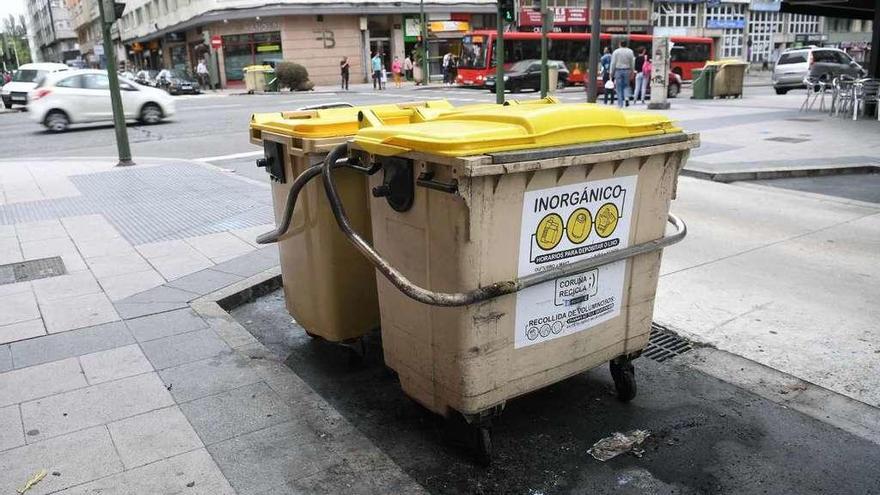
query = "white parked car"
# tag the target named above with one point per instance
(80, 96)
(24, 80)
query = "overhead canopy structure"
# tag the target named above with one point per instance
(854, 9)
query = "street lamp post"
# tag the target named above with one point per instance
(499, 55)
(115, 95)
(545, 77)
(592, 90)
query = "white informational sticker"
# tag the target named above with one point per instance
(561, 225)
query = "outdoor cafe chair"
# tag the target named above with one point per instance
(816, 89)
(842, 95)
(866, 91)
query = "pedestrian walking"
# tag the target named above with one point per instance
(383, 81)
(639, 91)
(605, 64)
(646, 77)
(396, 69)
(622, 62)
(376, 65)
(447, 60)
(202, 73)
(343, 72)
(408, 68)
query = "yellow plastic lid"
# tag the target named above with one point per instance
(257, 68)
(513, 127)
(340, 122)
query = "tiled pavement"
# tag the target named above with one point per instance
(125, 377)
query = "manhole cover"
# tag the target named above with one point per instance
(783, 139)
(803, 119)
(664, 344)
(31, 270)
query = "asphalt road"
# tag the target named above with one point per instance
(707, 436)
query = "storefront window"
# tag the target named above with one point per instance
(241, 50)
(178, 57)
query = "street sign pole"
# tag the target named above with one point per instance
(424, 28)
(545, 77)
(593, 64)
(499, 57)
(115, 96)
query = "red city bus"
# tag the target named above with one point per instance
(477, 52)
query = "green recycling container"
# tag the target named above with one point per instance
(704, 82)
(271, 80)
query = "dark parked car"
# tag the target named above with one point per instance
(526, 74)
(181, 82)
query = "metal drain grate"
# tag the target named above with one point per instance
(664, 344)
(783, 139)
(31, 270)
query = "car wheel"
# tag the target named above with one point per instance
(57, 121)
(781, 91)
(151, 114)
(673, 91)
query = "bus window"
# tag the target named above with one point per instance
(473, 52)
(690, 52)
(522, 50)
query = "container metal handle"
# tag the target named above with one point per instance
(481, 294)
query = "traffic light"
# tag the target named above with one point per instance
(113, 10)
(507, 10)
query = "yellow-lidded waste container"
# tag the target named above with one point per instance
(329, 288)
(508, 209)
(255, 78)
(729, 77)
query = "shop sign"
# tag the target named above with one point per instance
(765, 5)
(269, 48)
(633, 28)
(411, 27)
(725, 23)
(810, 38)
(562, 16)
(448, 26)
(216, 41)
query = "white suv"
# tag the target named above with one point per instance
(821, 63)
(80, 96)
(24, 80)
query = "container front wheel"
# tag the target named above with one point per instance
(624, 375)
(483, 451)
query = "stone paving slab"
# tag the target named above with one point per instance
(241, 410)
(70, 344)
(113, 364)
(5, 358)
(44, 380)
(165, 324)
(183, 348)
(153, 436)
(11, 432)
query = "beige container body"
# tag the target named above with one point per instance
(729, 80)
(464, 358)
(329, 288)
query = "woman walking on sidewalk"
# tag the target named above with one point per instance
(645, 80)
(395, 69)
(343, 69)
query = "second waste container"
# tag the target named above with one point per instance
(472, 207)
(704, 80)
(729, 78)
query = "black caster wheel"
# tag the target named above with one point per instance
(483, 447)
(624, 376)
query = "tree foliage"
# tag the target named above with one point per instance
(293, 76)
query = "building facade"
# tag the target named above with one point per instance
(752, 30)
(51, 25)
(239, 33)
(850, 35)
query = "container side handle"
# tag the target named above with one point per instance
(481, 294)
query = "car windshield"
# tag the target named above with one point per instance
(792, 58)
(521, 66)
(28, 75)
(180, 74)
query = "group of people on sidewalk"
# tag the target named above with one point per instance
(399, 70)
(617, 70)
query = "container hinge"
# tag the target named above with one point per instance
(426, 179)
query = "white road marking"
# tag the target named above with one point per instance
(233, 156)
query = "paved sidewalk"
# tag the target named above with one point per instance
(123, 375)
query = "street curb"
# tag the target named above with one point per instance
(779, 173)
(822, 404)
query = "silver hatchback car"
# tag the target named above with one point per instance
(821, 63)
